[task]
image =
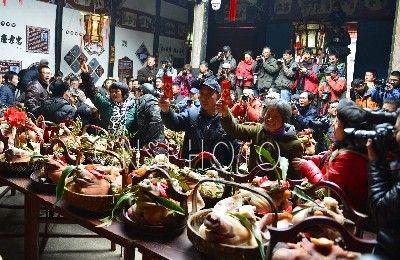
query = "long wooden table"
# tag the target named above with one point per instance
(176, 248)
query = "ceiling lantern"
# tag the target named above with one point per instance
(94, 25)
(309, 35)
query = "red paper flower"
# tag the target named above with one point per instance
(15, 117)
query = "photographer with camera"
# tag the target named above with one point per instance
(266, 67)
(345, 164)
(204, 73)
(287, 74)
(248, 108)
(244, 74)
(307, 79)
(361, 95)
(334, 88)
(384, 196)
(303, 112)
(224, 56)
(333, 59)
(184, 79)
(390, 90)
(167, 69)
(226, 74)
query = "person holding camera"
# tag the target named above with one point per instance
(184, 79)
(266, 67)
(390, 90)
(307, 77)
(384, 197)
(244, 74)
(204, 73)
(227, 74)
(333, 59)
(333, 88)
(338, 164)
(224, 56)
(361, 95)
(148, 73)
(167, 69)
(287, 74)
(248, 108)
(304, 112)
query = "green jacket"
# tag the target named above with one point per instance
(290, 146)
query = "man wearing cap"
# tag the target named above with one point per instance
(202, 126)
(334, 88)
(144, 121)
(167, 69)
(266, 67)
(188, 102)
(58, 108)
(248, 108)
(224, 57)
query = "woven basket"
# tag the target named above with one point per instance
(98, 204)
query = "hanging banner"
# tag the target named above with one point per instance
(37, 39)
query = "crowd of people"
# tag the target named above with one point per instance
(274, 101)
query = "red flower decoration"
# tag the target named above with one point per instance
(15, 117)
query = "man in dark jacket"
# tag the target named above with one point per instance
(203, 130)
(148, 73)
(57, 109)
(144, 122)
(384, 196)
(31, 74)
(37, 91)
(286, 77)
(224, 57)
(266, 67)
(305, 113)
(9, 91)
(204, 73)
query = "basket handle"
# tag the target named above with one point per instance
(290, 234)
(174, 194)
(65, 152)
(237, 185)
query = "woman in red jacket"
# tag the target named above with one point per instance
(343, 164)
(244, 73)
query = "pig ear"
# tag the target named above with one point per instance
(200, 202)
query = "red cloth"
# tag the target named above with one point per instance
(335, 87)
(311, 81)
(232, 10)
(251, 113)
(245, 70)
(348, 170)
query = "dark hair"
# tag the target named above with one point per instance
(73, 78)
(395, 73)
(267, 47)
(123, 87)
(205, 63)
(58, 74)
(333, 53)
(283, 107)
(9, 76)
(333, 101)
(247, 52)
(373, 71)
(392, 101)
(356, 82)
(43, 67)
(310, 96)
(307, 50)
(59, 87)
(287, 51)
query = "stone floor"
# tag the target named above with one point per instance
(57, 248)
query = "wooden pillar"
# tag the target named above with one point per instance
(394, 63)
(200, 26)
(58, 34)
(111, 47)
(157, 26)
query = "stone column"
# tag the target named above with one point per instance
(395, 54)
(200, 25)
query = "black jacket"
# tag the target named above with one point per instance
(7, 95)
(384, 196)
(145, 125)
(307, 114)
(57, 110)
(35, 94)
(145, 73)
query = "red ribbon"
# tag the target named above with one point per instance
(232, 10)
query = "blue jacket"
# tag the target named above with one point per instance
(307, 114)
(202, 133)
(379, 94)
(7, 95)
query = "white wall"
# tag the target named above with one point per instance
(134, 40)
(31, 13)
(73, 22)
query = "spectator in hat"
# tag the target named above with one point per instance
(167, 69)
(58, 109)
(332, 89)
(248, 108)
(189, 102)
(361, 94)
(224, 56)
(144, 121)
(338, 164)
(202, 127)
(113, 109)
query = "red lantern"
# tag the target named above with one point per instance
(94, 25)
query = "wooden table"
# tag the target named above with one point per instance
(176, 248)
